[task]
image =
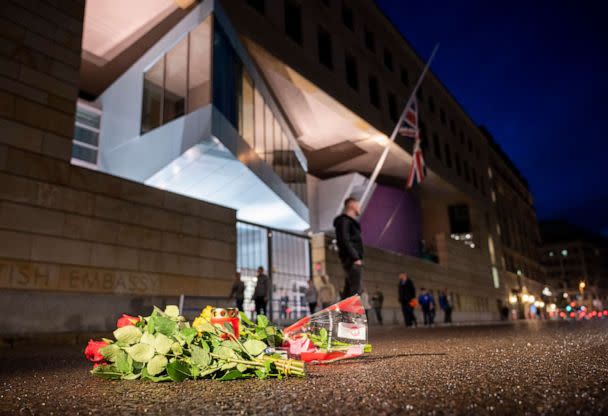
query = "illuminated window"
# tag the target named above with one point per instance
(85, 145)
(495, 277)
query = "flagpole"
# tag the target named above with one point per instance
(384, 155)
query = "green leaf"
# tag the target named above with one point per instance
(232, 375)
(200, 357)
(233, 345)
(128, 334)
(141, 352)
(165, 325)
(228, 366)
(147, 338)
(132, 376)
(151, 327)
(245, 319)
(323, 335)
(157, 365)
(254, 347)
(172, 311)
(123, 364)
(241, 367)
(225, 353)
(156, 379)
(262, 321)
(205, 326)
(205, 346)
(177, 349)
(178, 371)
(109, 352)
(162, 344)
(188, 334)
(109, 372)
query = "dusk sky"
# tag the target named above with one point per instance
(536, 74)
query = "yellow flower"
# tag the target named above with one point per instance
(206, 313)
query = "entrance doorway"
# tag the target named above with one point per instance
(285, 257)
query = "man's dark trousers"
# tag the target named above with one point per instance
(428, 316)
(260, 305)
(408, 313)
(352, 281)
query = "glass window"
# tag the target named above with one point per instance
(268, 135)
(325, 50)
(457, 162)
(227, 69)
(247, 122)
(352, 78)
(369, 40)
(374, 93)
(442, 116)
(259, 5)
(448, 155)
(176, 70)
(347, 17)
(388, 59)
(86, 136)
(258, 112)
(151, 116)
(293, 21)
(431, 104)
(392, 107)
(404, 76)
(199, 68)
(436, 146)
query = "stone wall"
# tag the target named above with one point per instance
(78, 247)
(474, 297)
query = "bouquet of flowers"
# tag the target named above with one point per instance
(164, 347)
(334, 333)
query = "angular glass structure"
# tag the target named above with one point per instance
(194, 116)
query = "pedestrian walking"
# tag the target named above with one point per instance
(327, 292)
(365, 303)
(427, 304)
(261, 292)
(350, 246)
(407, 293)
(446, 306)
(237, 292)
(311, 296)
(377, 301)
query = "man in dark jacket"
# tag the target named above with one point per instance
(350, 246)
(407, 293)
(261, 292)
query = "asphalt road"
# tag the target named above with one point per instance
(525, 368)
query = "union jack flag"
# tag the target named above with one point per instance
(409, 123)
(418, 168)
(409, 128)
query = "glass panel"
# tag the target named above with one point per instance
(176, 64)
(247, 110)
(226, 76)
(258, 113)
(85, 135)
(152, 97)
(199, 78)
(269, 136)
(276, 146)
(84, 153)
(88, 117)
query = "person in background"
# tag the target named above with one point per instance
(327, 292)
(311, 296)
(377, 301)
(407, 293)
(261, 292)
(365, 303)
(446, 306)
(350, 246)
(427, 303)
(238, 291)
(283, 305)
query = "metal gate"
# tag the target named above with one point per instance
(286, 258)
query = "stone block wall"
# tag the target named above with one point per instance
(79, 247)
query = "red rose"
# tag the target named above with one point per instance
(126, 320)
(92, 350)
